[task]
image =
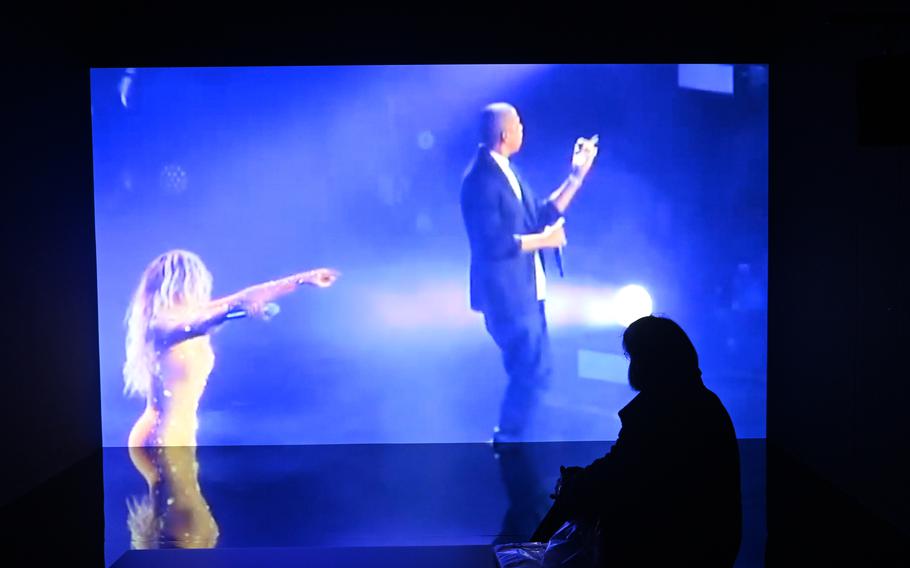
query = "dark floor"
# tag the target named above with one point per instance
(420, 505)
(466, 556)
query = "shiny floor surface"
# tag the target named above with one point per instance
(350, 505)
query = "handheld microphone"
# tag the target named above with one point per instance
(270, 310)
(558, 251)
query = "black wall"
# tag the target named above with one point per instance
(838, 380)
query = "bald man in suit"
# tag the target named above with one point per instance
(508, 229)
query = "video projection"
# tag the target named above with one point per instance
(284, 254)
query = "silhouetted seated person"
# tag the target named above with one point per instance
(668, 492)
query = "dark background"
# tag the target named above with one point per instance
(837, 388)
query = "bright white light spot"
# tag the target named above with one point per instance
(631, 303)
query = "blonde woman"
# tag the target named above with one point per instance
(168, 345)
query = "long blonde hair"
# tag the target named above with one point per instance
(177, 277)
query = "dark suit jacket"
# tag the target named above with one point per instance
(668, 492)
(502, 277)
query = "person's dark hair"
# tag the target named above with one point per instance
(660, 354)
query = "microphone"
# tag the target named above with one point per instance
(558, 251)
(270, 310)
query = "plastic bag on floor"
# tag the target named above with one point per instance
(520, 554)
(572, 546)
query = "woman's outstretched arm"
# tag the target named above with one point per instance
(182, 323)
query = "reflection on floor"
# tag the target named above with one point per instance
(334, 505)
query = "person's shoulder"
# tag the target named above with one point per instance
(711, 398)
(482, 163)
(712, 407)
(477, 174)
